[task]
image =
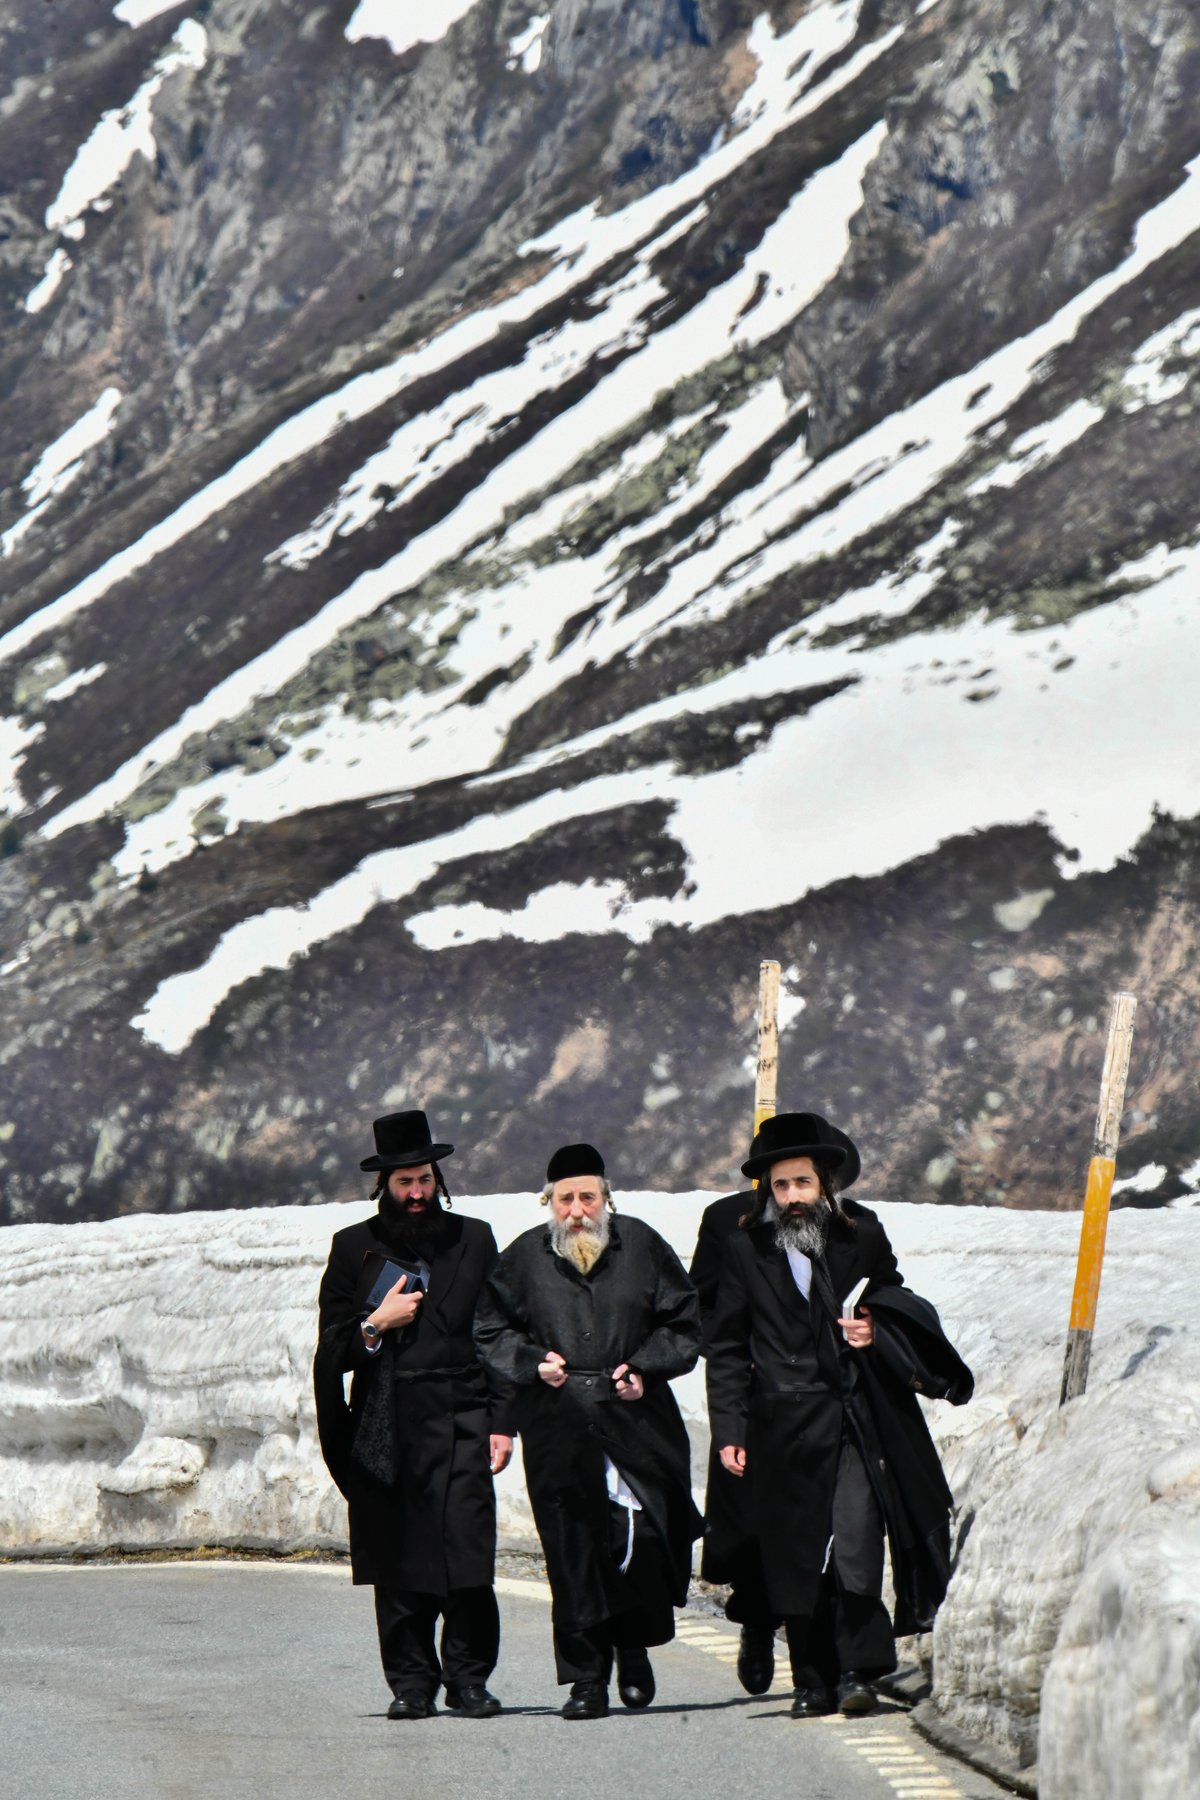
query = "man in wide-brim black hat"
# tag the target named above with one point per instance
(589, 1317)
(731, 1556)
(816, 1403)
(415, 1451)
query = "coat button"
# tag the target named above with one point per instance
(587, 1334)
(588, 1382)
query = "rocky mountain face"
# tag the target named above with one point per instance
(502, 530)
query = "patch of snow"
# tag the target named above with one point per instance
(1039, 446)
(1021, 911)
(403, 23)
(1145, 378)
(56, 267)
(1148, 1177)
(123, 133)
(61, 462)
(15, 739)
(526, 47)
(140, 12)
(71, 684)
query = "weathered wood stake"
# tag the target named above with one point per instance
(1101, 1170)
(767, 1075)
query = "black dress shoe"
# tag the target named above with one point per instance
(411, 1706)
(811, 1703)
(472, 1700)
(635, 1678)
(854, 1696)
(756, 1659)
(588, 1700)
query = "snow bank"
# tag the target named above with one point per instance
(154, 1390)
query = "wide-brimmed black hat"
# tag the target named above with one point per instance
(402, 1141)
(574, 1159)
(803, 1134)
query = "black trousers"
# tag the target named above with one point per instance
(849, 1627)
(648, 1618)
(407, 1622)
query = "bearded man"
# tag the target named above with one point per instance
(416, 1450)
(816, 1401)
(589, 1318)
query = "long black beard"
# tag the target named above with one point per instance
(807, 1231)
(413, 1238)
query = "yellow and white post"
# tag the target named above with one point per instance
(1101, 1170)
(767, 1074)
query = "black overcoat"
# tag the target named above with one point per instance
(769, 1392)
(427, 1400)
(636, 1306)
(730, 1551)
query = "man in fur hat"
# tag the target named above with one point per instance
(815, 1399)
(589, 1318)
(416, 1450)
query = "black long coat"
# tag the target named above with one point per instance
(637, 1306)
(769, 1391)
(432, 1527)
(731, 1552)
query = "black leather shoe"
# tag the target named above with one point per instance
(854, 1696)
(589, 1700)
(811, 1703)
(635, 1678)
(472, 1700)
(411, 1706)
(756, 1659)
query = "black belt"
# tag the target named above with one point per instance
(438, 1374)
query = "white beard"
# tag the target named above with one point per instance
(581, 1247)
(807, 1231)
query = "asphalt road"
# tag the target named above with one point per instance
(208, 1681)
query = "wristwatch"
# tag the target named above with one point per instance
(371, 1334)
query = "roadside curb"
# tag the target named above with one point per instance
(969, 1750)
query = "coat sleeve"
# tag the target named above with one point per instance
(503, 1335)
(730, 1370)
(339, 1347)
(672, 1345)
(500, 1391)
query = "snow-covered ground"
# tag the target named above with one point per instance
(154, 1390)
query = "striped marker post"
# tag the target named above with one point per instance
(766, 1077)
(1101, 1170)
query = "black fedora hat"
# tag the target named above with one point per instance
(574, 1159)
(803, 1134)
(402, 1141)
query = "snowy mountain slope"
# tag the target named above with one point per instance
(734, 500)
(174, 1408)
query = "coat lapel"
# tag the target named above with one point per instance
(773, 1265)
(445, 1269)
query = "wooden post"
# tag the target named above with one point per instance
(767, 1075)
(1101, 1170)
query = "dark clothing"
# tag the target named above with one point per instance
(649, 1618)
(411, 1452)
(730, 1551)
(407, 1622)
(635, 1306)
(782, 1382)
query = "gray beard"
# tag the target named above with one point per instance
(807, 1231)
(580, 1247)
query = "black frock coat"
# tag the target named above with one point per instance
(730, 1552)
(637, 1306)
(431, 1528)
(768, 1391)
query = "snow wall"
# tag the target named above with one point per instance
(154, 1392)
